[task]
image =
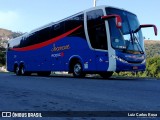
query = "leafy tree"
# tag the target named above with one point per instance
(2, 57)
(153, 67)
(2, 49)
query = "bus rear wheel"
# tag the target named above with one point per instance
(106, 75)
(17, 71)
(23, 71)
(77, 70)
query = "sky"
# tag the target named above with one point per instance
(26, 15)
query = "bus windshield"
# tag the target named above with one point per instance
(125, 38)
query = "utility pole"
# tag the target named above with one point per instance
(94, 4)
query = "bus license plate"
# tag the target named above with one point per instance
(135, 68)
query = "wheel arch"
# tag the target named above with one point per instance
(73, 60)
(21, 64)
(15, 66)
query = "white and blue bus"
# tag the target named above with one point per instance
(100, 40)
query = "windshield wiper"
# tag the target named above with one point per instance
(129, 42)
(132, 41)
(139, 45)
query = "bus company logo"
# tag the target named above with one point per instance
(60, 48)
(58, 55)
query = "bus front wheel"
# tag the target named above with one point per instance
(77, 70)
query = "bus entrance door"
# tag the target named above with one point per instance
(102, 61)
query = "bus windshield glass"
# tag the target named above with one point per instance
(125, 38)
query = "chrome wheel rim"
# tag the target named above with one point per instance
(22, 71)
(77, 69)
(17, 70)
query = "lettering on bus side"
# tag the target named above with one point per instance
(60, 48)
(57, 55)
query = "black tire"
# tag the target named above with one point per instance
(106, 75)
(44, 73)
(23, 71)
(78, 70)
(17, 71)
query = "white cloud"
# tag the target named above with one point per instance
(8, 18)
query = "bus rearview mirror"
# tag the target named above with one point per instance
(117, 18)
(148, 25)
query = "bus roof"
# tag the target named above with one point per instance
(52, 23)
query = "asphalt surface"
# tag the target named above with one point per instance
(65, 93)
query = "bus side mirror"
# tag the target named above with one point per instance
(117, 17)
(148, 25)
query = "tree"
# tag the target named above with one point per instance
(153, 67)
(2, 56)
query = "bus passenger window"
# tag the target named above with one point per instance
(97, 30)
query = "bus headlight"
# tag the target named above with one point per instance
(144, 61)
(119, 59)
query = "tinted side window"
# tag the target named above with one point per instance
(43, 35)
(30, 40)
(97, 30)
(57, 29)
(75, 22)
(94, 18)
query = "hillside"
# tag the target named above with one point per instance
(6, 35)
(152, 48)
(5, 32)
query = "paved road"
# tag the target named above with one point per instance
(59, 93)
